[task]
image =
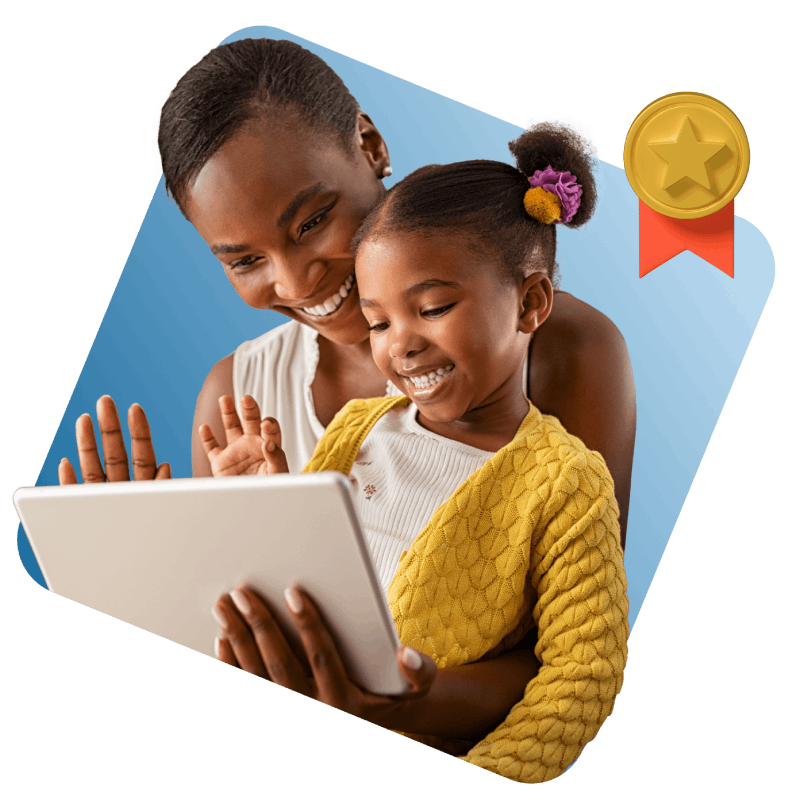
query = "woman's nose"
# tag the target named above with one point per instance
(294, 279)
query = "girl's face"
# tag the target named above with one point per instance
(445, 327)
(279, 207)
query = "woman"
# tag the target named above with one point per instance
(270, 158)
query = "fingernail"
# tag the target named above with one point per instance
(411, 658)
(216, 647)
(293, 600)
(271, 446)
(241, 602)
(220, 616)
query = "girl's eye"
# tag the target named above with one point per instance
(432, 313)
(379, 327)
(314, 221)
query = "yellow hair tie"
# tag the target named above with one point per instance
(543, 206)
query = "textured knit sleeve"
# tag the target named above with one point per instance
(582, 618)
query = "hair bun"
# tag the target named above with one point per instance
(547, 150)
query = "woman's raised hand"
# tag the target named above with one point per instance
(253, 445)
(115, 456)
(251, 639)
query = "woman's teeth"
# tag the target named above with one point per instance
(432, 378)
(334, 301)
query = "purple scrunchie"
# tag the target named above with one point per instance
(562, 184)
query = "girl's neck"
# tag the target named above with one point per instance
(493, 424)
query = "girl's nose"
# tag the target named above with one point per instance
(406, 343)
(294, 279)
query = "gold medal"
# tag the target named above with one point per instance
(686, 155)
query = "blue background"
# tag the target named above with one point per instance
(687, 324)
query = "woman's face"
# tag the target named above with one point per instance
(279, 207)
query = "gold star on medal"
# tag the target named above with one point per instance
(687, 156)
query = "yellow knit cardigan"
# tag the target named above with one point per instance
(530, 539)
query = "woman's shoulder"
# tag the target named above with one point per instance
(574, 327)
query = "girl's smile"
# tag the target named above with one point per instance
(450, 331)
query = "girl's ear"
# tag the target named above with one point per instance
(371, 144)
(536, 302)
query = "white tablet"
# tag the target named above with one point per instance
(158, 554)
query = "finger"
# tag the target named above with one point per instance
(88, 457)
(164, 472)
(223, 651)
(418, 669)
(230, 419)
(326, 664)
(251, 416)
(239, 637)
(271, 431)
(209, 441)
(274, 459)
(115, 456)
(282, 665)
(66, 473)
(143, 456)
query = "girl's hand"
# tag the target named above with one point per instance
(115, 456)
(253, 445)
(251, 639)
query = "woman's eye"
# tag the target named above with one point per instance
(432, 313)
(314, 221)
(242, 263)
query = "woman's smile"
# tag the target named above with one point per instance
(332, 303)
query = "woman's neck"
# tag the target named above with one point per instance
(344, 372)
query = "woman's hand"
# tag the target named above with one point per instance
(250, 638)
(253, 445)
(115, 456)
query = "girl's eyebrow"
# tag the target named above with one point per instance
(417, 288)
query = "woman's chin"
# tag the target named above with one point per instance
(347, 328)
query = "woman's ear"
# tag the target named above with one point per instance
(371, 144)
(536, 302)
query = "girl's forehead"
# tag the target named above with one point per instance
(393, 261)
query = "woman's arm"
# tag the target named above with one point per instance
(580, 372)
(218, 383)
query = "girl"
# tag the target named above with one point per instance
(485, 519)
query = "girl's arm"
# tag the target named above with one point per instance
(580, 372)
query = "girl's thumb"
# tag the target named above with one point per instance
(275, 458)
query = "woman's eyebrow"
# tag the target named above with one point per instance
(293, 207)
(302, 197)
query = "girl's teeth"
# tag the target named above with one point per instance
(333, 302)
(431, 379)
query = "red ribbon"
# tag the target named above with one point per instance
(662, 237)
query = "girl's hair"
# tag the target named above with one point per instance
(485, 199)
(238, 82)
